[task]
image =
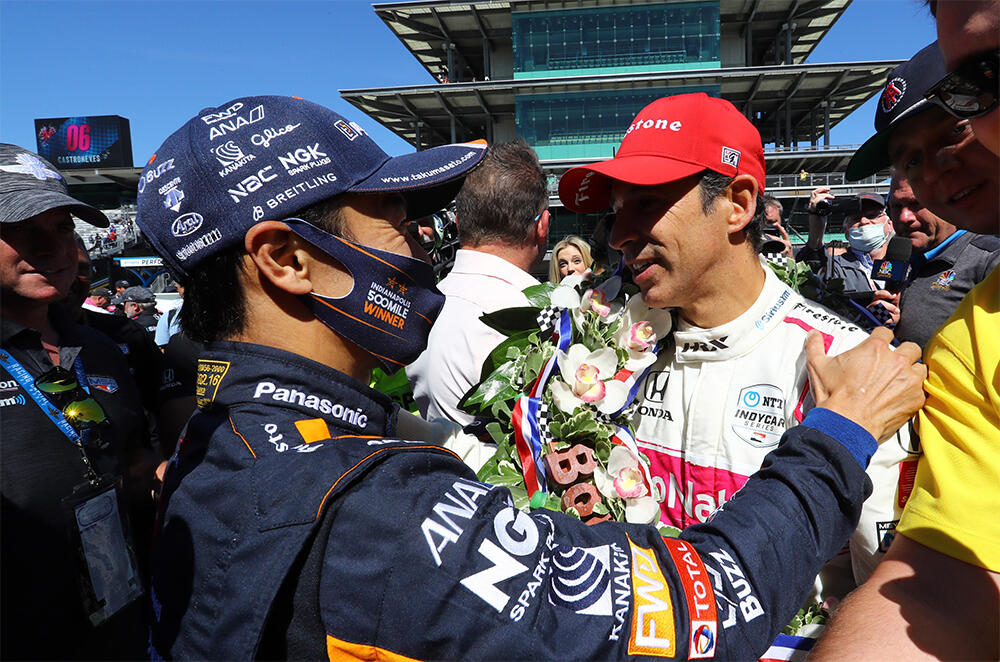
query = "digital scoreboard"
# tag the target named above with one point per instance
(96, 141)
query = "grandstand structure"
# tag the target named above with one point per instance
(568, 76)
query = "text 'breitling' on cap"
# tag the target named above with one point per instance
(671, 138)
(265, 158)
(30, 185)
(901, 98)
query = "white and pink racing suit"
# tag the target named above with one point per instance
(718, 400)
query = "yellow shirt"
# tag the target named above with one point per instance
(955, 504)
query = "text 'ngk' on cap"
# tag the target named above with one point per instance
(258, 158)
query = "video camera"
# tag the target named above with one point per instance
(839, 205)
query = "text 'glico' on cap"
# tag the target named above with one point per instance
(902, 98)
(671, 138)
(30, 185)
(267, 157)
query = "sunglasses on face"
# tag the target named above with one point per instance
(80, 410)
(971, 90)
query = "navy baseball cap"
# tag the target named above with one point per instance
(30, 185)
(259, 158)
(902, 98)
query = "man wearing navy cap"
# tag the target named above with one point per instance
(951, 172)
(949, 528)
(71, 420)
(295, 525)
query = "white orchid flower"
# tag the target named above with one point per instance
(565, 295)
(623, 480)
(588, 378)
(600, 299)
(642, 328)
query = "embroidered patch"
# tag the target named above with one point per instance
(106, 384)
(943, 281)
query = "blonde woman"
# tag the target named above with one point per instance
(570, 256)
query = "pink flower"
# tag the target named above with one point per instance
(588, 386)
(623, 480)
(588, 378)
(642, 328)
(641, 337)
(628, 483)
(596, 300)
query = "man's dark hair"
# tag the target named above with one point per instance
(501, 198)
(712, 185)
(214, 302)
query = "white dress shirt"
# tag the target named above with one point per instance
(459, 342)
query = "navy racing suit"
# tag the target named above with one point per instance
(294, 526)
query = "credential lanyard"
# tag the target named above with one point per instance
(27, 382)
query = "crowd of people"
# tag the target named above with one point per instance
(219, 482)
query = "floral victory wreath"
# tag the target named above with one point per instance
(561, 389)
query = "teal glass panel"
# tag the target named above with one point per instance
(616, 39)
(585, 125)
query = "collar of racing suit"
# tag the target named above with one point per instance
(735, 338)
(235, 375)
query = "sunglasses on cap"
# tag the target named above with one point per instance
(80, 410)
(971, 90)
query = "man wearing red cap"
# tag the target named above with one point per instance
(686, 189)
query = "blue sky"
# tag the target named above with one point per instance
(159, 63)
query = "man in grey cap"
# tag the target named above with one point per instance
(70, 415)
(140, 307)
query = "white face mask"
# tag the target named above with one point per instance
(866, 238)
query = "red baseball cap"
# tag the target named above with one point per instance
(671, 138)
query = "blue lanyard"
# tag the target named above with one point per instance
(27, 382)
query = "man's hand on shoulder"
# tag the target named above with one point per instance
(874, 386)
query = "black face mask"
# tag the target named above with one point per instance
(392, 305)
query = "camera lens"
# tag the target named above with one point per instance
(823, 207)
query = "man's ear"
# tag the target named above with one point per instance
(542, 228)
(279, 256)
(742, 194)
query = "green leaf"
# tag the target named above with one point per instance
(539, 294)
(501, 411)
(602, 451)
(554, 502)
(497, 434)
(520, 496)
(501, 354)
(668, 531)
(507, 480)
(509, 321)
(500, 385)
(582, 426)
(534, 361)
(556, 429)
(601, 508)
